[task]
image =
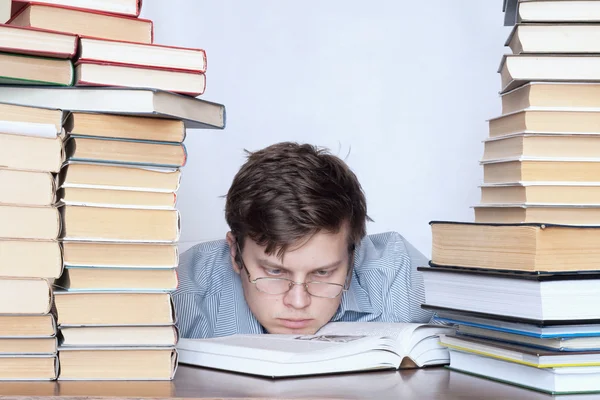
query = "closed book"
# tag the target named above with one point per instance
(194, 112)
(28, 367)
(88, 73)
(538, 169)
(30, 258)
(28, 222)
(119, 224)
(32, 70)
(25, 296)
(114, 308)
(517, 70)
(31, 153)
(553, 96)
(124, 7)
(83, 23)
(22, 326)
(543, 145)
(126, 127)
(142, 55)
(105, 150)
(110, 336)
(119, 177)
(558, 11)
(37, 42)
(120, 255)
(554, 38)
(102, 278)
(115, 198)
(565, 214)
(28, 346)
(117, 363)
(530, 193)
(571, 121)
(30, 188)
(535, 247)
(31, 121)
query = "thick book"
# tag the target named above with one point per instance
(102, 278)
(552, 96)
(558, 11)
(544, 145)
(123, 7)
(564, 380)
(123, 101)
(120, 255)
(28, 346)
(554, 38)
(117, 363)
(25, 296)
(564, 214)
(564, 121)
(31, 153)
(540, 193)
(568, 344)
(337, 347)
(37, 42)
(547, 297)
(22, 69)
(27, 326)
(88, 73)
(517, 70)
(28, 188)
(142, 55)
(119, 177)
(538, 169)
(28, 222)
(122, 151)
(125, 127)
(111, 336)
(466, 319)
(31, 121)
(521, 354)
(30, 259)
(28, 367)
(114, 198)
(114, 308)
(109, 224)
(84, 23)
(534, 247)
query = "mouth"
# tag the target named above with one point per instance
(295, 323)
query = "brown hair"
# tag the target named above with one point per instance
(287, 192)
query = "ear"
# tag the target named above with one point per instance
(233, 251)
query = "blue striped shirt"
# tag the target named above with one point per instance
(385, 287)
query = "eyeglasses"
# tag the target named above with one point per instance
(283, 285)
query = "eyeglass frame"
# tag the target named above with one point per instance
(292, 283)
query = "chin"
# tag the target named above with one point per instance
(288, 331)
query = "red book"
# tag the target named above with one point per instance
(130, 8)
(142, 55)
(84, 23)
(108, 74)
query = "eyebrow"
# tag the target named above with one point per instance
(271, 264)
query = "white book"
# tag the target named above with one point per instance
(337, 347)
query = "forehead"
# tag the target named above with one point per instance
(323, 248)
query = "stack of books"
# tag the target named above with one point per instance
(106, 44)
(522, 282)
(117, 195)
(111, 167)
(30, 255)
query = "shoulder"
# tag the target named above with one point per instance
(204, 266)
(382, 251)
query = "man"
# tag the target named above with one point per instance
(296, 256)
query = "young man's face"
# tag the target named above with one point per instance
(324, 258)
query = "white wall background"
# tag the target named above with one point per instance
(405, 87)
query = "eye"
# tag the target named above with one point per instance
(273, 271)
(323, 273)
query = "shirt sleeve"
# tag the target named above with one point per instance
(387, 273)
(193, 297)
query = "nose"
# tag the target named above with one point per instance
(297, 297)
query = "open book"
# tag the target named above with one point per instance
(335, 348)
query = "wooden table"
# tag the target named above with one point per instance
(191, 382)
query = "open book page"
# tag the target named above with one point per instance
(282, 348)
(411, 339)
